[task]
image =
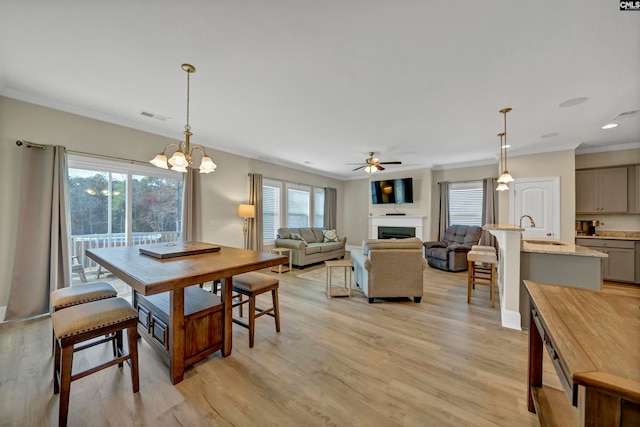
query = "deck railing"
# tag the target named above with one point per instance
(80, 243)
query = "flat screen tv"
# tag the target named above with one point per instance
(392, 191)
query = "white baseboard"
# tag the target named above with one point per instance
(510, 319)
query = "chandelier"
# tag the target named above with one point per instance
(506, 177)
(183, 156)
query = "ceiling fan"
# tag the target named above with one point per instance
(373, 164)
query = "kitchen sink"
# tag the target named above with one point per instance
(545, 242)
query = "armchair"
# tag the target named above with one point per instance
(389, 268)
(450, 254)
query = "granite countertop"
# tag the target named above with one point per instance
(505, 227)
(613, 235)
(557, 247)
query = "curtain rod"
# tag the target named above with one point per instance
(465, 182)
(28, 144)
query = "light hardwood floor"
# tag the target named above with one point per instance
(338, 362)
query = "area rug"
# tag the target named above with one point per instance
(320, 275)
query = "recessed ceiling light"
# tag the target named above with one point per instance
(573, 102)
(610, 126)
(550, 135)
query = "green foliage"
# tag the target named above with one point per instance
(156, 203)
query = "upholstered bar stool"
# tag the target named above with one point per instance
(79, 294)
(483, 248)
(481, 271)
(253, 284)
(84, 322)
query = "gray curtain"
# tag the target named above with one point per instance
(255, 227)
(489, 209)
(330, 207)
(42, 261)
(191, 207)
(444, 209)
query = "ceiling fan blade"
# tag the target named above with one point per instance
(380, 168)
(358, 168)
(390, 163)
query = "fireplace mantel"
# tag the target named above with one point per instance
(395, 221)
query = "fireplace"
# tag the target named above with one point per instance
(399, 224)
(396, 232)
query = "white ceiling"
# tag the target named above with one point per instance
(317, 84)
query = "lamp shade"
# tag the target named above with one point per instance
(502, 187)
(160, 161)
(179, 159)
(246, 211)
(207, 165)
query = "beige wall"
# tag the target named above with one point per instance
(221, 190)
(546, 165)
(358, 208)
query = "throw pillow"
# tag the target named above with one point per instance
(296, 236)
(330, 236)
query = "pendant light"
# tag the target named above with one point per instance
(501, 185)
(506, 176)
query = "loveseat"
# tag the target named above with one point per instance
(389, 268)
(450, 254)
(311, 245)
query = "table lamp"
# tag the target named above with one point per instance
(246, 212)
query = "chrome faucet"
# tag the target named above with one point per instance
(533, 224)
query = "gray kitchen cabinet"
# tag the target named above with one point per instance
(601, 191)
(622, 263)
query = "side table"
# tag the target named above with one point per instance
(338, 291)
(281, 251)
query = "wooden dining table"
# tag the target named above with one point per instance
(148, 275)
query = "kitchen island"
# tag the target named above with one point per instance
(544, 260)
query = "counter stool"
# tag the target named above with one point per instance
(83, 322)
(253, 284)
(79, 294)
(483, 248)
(479, 273)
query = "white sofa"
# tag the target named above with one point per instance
(390, 268)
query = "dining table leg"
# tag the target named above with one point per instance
(176, 335)
(227, 289)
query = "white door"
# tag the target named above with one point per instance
(540, 199)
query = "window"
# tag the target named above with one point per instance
(318, 207)
(301, 206)
(115, 204)
(298, 203)
(270, 210)
(465, 203)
